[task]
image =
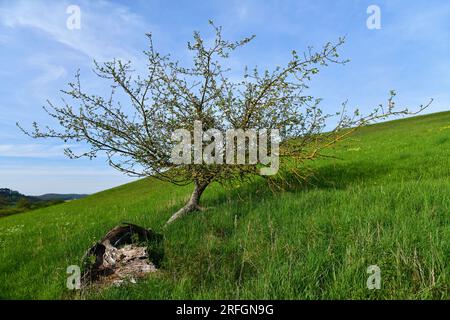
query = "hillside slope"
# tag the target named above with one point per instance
(385, 203)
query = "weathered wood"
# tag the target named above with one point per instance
(120, 254)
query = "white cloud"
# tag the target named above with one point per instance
(54, 53)
(49, 72)
(32, 150)
(103, 26)
(40, 179)
(421, 22)
(44, 171)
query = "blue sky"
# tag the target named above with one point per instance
(39, 55)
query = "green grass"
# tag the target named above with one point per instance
(386, 203)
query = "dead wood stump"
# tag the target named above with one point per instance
(122, 255)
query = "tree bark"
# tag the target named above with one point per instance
(193, 204)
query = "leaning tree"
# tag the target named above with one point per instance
(133, 124)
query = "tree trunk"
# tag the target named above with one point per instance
(193, 204)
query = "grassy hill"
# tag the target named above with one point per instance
(386, 203)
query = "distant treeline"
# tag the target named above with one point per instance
(12, 202)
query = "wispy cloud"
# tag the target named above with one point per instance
(422, 22)
(32, 150)
(38, 171)
(49, 72)
(38, 179)
(103, 24)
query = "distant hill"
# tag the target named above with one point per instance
(64, 197)
(11, 197)
(12, 202)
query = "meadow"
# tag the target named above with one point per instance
(385, 201)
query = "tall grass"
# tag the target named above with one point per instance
(385, 203)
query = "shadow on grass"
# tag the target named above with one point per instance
(333, 176)
(214, 253)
